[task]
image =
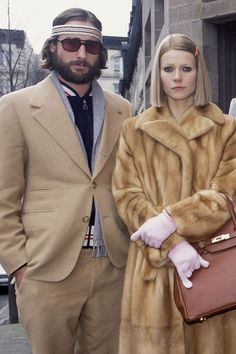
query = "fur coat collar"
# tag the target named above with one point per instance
(160, 125)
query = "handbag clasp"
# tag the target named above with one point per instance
(220, 238)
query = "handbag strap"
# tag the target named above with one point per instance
(230, 206)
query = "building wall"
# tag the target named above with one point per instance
(111, 77)
(203, 21)
(136, 88)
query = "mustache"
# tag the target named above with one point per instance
(80, 62)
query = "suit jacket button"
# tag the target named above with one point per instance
(94, 185)
(85, 219)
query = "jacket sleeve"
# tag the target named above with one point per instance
(12, 181)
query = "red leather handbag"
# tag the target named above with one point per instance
(214, 288)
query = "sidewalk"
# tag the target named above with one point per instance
(13, 338)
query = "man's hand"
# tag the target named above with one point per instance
(19, 275)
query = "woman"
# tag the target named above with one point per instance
(174, 161)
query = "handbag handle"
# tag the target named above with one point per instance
(230, 206)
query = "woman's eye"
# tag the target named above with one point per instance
(187, 68)
(167, 69)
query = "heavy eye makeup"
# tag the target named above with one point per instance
(168, 68)
(187, 68)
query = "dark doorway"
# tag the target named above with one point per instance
(227, 63)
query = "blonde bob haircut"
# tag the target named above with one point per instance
(179, 41)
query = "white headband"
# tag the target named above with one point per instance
(77, 29)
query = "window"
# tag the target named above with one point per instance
(116, 64)
(116, 87)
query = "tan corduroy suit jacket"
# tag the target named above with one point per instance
(46, 186)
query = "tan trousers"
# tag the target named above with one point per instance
(84, 309)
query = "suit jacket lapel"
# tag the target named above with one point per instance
(52, 115)
(110, 134)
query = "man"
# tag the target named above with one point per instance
(60, 235)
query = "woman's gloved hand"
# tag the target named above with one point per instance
(155, 230)
(186, 260)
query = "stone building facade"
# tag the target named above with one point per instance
(210, 23)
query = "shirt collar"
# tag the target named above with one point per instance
(70, 91)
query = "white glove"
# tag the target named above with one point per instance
(155, 230)
(186, 260)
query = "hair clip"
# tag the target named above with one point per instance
(197, 51)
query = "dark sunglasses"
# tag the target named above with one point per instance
(74, 44)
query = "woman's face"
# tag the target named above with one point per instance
(178, 75)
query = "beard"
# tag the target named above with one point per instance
(65, 71)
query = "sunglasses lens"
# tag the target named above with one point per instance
(73, 44)
(93, 47)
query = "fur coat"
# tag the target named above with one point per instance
(183, 166)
